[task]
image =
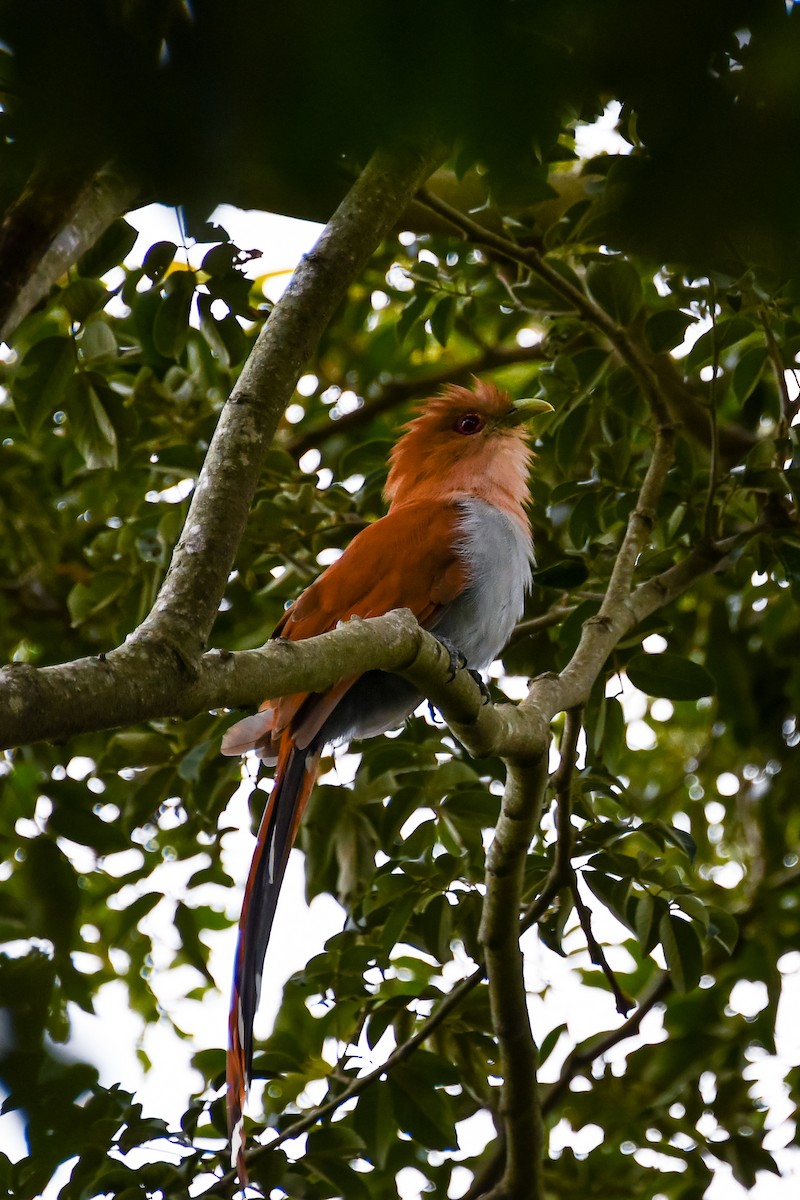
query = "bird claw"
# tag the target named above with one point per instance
(459, 662)
(457, 659)
(482, 684)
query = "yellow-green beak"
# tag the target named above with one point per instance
(526, 410)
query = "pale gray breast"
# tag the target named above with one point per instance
(498, 555)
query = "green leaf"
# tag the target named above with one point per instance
(412, 315)
(678, 837)
(615, 285)
(171, 326)
(53, 895)
(219, 260)
(335, 1172)
(710, 344)
(442, 319)
(96, 340)
(113, 245)
(159, 259)
(192, 949)
(650, 911)
(83, 826)
(334, 1141)
(423, 1112)
(723, 927)
(666, 330)
(747, 372)
(374, 1121)
(550, 1040)
(789, 555)
(682, 950)
(90, 426)
(81, 297)
(223, 334)
(86, 599)
(669, 676)
(41, 381)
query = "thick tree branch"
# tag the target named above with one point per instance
(47, 231)
(499, 935)
(129, 684)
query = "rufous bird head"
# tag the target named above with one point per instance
(466, 442)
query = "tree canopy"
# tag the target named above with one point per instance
(635, 813)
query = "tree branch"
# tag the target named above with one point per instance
(575, 1064)
(553, 616)
(47, 231)
(499, 935)
(583, 1056)
(127, 685)
(131, 684)
(561, 782)
(596, 954)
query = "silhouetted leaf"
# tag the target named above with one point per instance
(670, 676)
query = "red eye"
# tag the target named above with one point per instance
(469, 423)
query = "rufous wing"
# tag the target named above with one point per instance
(408, 559)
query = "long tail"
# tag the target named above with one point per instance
(294, 779)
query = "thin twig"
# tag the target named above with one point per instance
(623, 1002)
(580, 1058)
(535, 624)
(562, 781)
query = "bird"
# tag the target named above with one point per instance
(454, 547)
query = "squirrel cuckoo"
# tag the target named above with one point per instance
(455, 547)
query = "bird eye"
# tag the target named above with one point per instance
(469, 423)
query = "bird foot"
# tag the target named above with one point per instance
(457, 659)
